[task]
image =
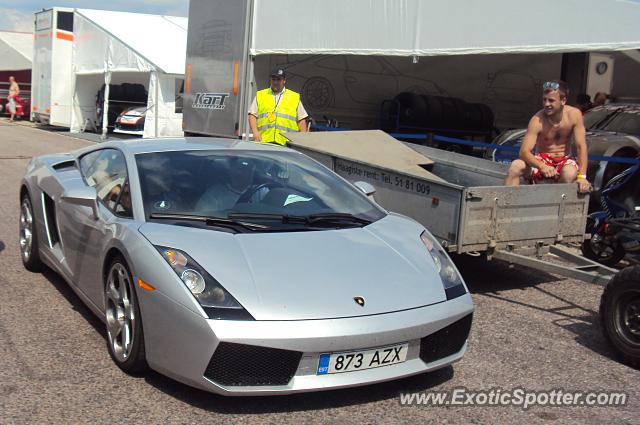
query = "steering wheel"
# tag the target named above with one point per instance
(246, 197)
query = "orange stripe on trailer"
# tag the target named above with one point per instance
(236, 77)
(187, 83)
(64, 36)
(144, 285)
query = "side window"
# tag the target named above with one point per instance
(106, 170)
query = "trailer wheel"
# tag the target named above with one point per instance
(620, 314)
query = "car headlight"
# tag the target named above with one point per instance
(451, 279)
(214, 299)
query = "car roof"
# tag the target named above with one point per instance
(139, 146)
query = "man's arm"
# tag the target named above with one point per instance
(580, 140)
(254, 128)
(302, 125)
(528, 144)
(302, 118)
(253, 120)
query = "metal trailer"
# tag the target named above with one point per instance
(462, 200)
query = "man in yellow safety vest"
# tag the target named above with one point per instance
(276, 110)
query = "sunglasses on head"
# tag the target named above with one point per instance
(551, 85)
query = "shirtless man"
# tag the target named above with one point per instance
(14, 91)
(550, 131)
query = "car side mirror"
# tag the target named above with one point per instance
(82, 195)
(366, 188)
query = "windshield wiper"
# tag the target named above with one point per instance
(326, 218)
(283, 218)
(336, 218)
(209, 221)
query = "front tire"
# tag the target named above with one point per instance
(125, 339)
(28, 238)
(620, 314)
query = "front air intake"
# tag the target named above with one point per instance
(445, 342)
(250, 365)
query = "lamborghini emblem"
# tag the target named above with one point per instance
(359, 301)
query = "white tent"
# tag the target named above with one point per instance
(118, 47)
(16, 50)
(437, 28)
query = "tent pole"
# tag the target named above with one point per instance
(105, 105)
(156, 105)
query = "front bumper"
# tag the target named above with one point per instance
(135, 129)
(185, 346)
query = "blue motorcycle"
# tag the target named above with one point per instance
(615, 230)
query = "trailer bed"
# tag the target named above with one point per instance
(460, 199)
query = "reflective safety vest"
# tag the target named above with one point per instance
(276, 119)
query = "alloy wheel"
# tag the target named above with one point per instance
(26, 230)
(120, 312)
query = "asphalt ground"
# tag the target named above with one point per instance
(531, 330)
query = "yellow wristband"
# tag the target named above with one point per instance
(582, 176)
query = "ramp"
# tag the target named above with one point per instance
(368, 147)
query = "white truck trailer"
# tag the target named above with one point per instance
(52, 77)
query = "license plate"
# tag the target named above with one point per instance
(360, 360)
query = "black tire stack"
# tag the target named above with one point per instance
(443, 113)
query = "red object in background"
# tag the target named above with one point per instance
(23, 104)
(19, 109)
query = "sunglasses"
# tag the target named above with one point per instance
(551, 85)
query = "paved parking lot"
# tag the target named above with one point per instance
(531, 330)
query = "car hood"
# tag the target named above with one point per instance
(137, 111)
(314, 274)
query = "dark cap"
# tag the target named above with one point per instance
(278, 72)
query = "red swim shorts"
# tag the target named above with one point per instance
(557, 162)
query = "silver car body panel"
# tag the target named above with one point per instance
(315, 275)
(299, 286)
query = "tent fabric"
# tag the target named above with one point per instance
(162, 120)
(16, 50)
(452, 27)
(96, 51)
(159, 40)
(119, 47)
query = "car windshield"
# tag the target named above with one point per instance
(593, 117)
(627, 122)
(618, 120)
(224, 186)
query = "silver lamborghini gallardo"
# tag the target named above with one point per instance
(241, 268)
